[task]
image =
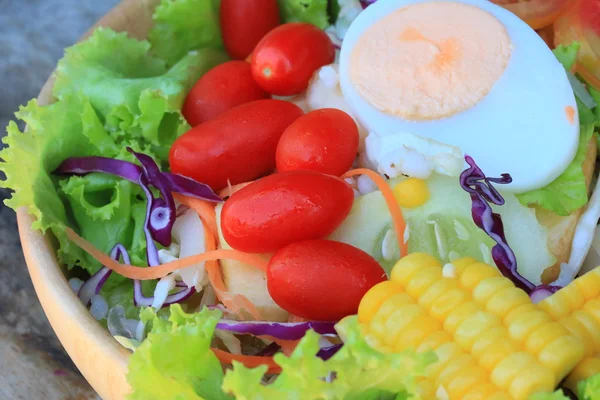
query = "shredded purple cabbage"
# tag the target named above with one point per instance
(131, 172)
(162, 213)
(367, 3)
(140, 300)
(94, 284)
(278, 330)
(480, 188)
(327, 352)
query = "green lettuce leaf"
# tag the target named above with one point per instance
(175, 361)
(361, 372)
(568, 192)
(102, 207)
(589, 389)
(184, 25)
(111, 93)
(567, 55)
(310, 11)
(133, 92)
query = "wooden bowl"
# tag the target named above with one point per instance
(99, 357)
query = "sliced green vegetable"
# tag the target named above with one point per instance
(360, 372)
(444, 228)
(184, 25)
(310, 11)
(567, 55)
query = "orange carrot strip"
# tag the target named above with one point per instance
(160, 271)
(392, 203)
(248, 361)
(235, 303)
(205, 209)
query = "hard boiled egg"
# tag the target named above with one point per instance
(466, 73)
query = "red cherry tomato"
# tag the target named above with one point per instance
(321, 280)
(245, 22)
(324, 140)
(220, 89)
(285, 208)
(237, 146)
(287, 57)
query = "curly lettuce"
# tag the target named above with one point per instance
(568, 192)
(184, 25)
(311, 11)
(357, 371)
(110, 92)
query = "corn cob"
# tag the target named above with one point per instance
(472, 323)
(577, 308)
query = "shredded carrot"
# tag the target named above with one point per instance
(231, 189)
(205, 209)
(392, 203)
(248, 361)
(141, 273)
(235, 303)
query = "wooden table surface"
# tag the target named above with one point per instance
(33, 364)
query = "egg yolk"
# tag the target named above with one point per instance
(411, 193)
(430, 60)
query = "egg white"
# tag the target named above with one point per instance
(520, 127)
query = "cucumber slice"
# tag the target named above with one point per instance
(443, 227)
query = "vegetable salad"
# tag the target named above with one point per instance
(238, 206)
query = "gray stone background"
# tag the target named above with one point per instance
(33, 34)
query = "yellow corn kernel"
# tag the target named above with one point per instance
(445, 354)
(498, 351)
(489, 287)
(592, 327)
(542, 336)
(458, 315)
(448, 302)
(434, 340)
(425, 388)
(436, 290)
(532, 379)
(460, 375)
(397, 301)
(372, 301)
(581, 332)
(422, 281)
(399, 320)
(417, 331)
(589, 284)
(562, 355)
(510, 367)
(592, 308)
(522, 326)
(474, 273)
(587, 368)
(482, 391)
(409, 264)
(411, 192)
(561, 303)
(471, 329)
(506, 300)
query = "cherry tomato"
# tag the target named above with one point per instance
(245, 22)
(287, 57)
(537, 13)
(285, 208)
(321, 280)
(237, 146)
(220, 89)
(324, 140)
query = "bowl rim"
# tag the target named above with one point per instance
(97, 355)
